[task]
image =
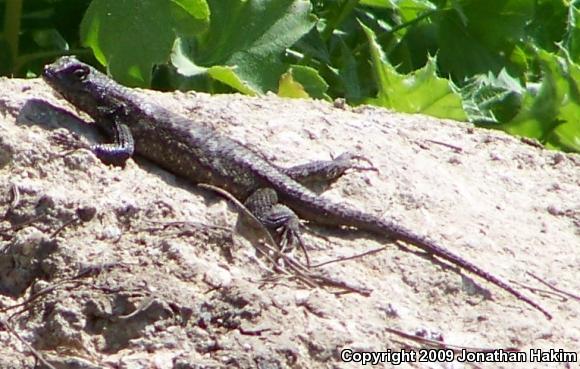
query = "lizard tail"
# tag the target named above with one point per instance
(398, 232)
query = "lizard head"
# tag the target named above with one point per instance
(82, 85)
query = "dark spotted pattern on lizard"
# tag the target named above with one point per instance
(203, 155)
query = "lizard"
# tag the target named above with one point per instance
(201, 154)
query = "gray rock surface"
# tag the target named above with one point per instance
(167, 281)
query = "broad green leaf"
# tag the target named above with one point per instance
(382, 70)
(190, 16)
(250, 36)
(183, 63)
(302, 82)
(566, 136)
(551, 115)
(228, 75)
(311, 44)
(419, 92)
(548, 26)
(223, 74)
(131, 36)
(539, 112)
(479, 36)
(290, 88)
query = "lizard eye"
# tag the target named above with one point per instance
(81, 72)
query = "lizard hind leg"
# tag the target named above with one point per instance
(279, 220)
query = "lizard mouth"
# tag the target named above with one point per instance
(57, 71)
(47, 72)
(50, 75)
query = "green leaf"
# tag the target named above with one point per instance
(566, 136)
(131, 36)
(538, 115)
(348, 75)
(190, 16)
(49, 38)
(572, 41)
(302, 82)
(419, 92)
(250, 36)
(290, 88)
(381, 4)
(548, 26)
(491, 99)
(551, 115)
(411, 9)
(479, 36)
(228, 75)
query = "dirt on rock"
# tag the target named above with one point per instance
(126, 268)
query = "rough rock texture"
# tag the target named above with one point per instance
(106, 267)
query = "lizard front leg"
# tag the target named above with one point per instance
(123, 143)
(118, 152)
(115, 153)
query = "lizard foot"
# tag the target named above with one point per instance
(347, 160)
(70, 141)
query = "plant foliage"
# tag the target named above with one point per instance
(507, 64)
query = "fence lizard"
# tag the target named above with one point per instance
(203, 155)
